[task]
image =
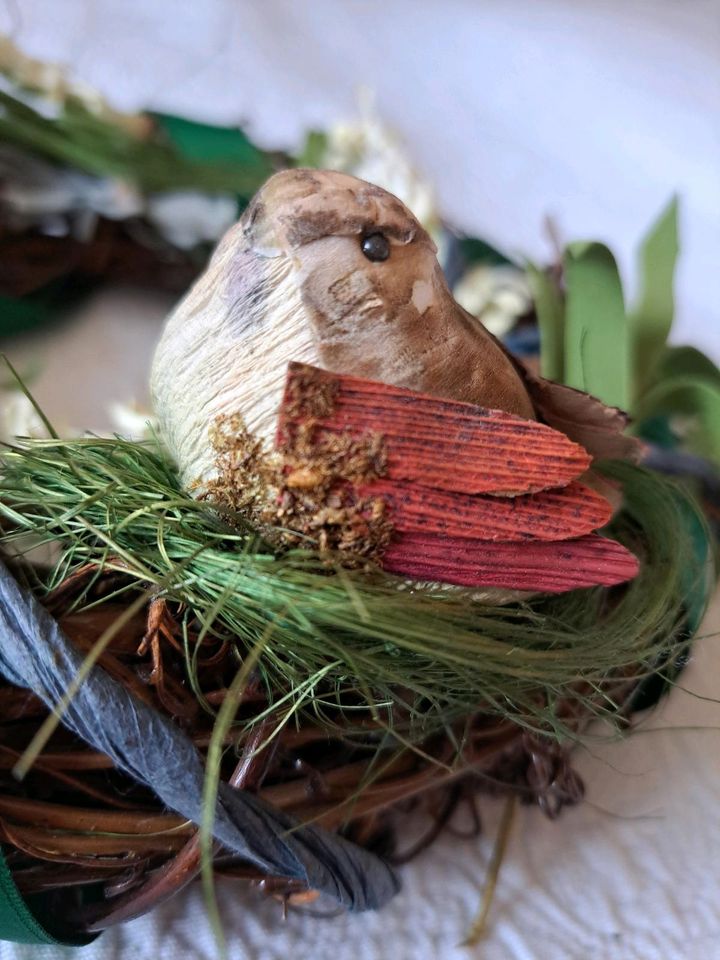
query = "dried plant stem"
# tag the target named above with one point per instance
(479, 926)
(223, 723)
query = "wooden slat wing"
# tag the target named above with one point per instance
(545, 566)
(435, 442)
(560, 514)
(474, 497)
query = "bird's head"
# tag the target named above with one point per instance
(363, 265)
(296, 208)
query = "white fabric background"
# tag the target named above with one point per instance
(594, 112)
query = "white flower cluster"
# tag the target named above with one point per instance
(496, 295)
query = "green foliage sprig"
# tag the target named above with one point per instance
(591, 340)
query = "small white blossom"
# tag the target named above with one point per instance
(497, 295)
(18, 417)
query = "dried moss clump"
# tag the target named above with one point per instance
(306, 493)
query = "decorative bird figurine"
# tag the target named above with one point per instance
(324, 319)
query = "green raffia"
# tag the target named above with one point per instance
(686, 382)
(588, 340)
(698, 398)
(688, 362)
(345, 638)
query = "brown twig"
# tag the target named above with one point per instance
(185, 866)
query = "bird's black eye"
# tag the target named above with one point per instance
(376, 247)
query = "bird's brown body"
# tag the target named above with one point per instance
(329, 270)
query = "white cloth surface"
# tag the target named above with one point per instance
(594, 112)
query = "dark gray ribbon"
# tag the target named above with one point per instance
(34, 653)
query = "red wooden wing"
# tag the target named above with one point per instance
(545, 566)
(435, 442)
(560, 514)
(475, 497)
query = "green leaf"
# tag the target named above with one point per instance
(686, 362)
(596, 336)
(697, 399)
(652, 318)
(41, 306)
(225, 152)
(204, 143)
(19, 315)
(30, 919)
(550, 312)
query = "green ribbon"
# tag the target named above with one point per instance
(18, 923)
